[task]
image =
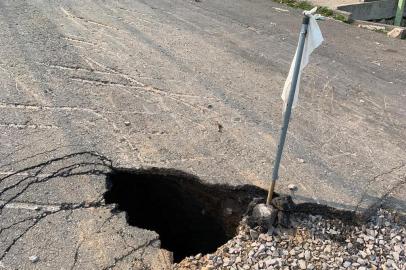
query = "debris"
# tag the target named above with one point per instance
(261, 212)
(127, 123)
(280, 9)
(219, 127)
(292, 187)
(33, 259)
(263, 215)
(283, 203)
(397, 33)
(372, 27)
(254, 234)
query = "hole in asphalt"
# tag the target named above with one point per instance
(191, 217)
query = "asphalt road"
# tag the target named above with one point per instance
(188, 85)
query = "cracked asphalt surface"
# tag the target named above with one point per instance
(188, 85)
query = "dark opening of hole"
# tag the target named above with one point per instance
(190, 217)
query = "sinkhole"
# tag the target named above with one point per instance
(190, 216)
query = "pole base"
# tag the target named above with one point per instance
(270, 193)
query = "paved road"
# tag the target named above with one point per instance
(188, 85)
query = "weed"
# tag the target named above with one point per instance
(325, 11)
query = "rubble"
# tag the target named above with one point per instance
(313, 242)
(398, 32)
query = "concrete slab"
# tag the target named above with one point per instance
(333, 4)
(193, 86)
(374, 10)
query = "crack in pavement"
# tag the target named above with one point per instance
(370, 210)
(132, 250)
(76, 255)
(49, 162)
(15, 223)
(374, 207)
(33, 175)
(36, 174)
(375, 178)
(66, 171)
(45, 214)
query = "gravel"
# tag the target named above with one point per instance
(312, 243)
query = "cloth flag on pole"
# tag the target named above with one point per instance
(313, 40)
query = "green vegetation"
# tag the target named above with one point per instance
(340, 17)
(383, 31)
(296, 4)
(324, 11)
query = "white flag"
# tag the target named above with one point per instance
(313, 40)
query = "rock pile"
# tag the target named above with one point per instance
(313, 242)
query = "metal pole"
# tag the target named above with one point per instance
(399, 12)
(288, 109)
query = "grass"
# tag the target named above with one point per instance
(296, 4)
(324, 11)
(381, 31)
(340, 17)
